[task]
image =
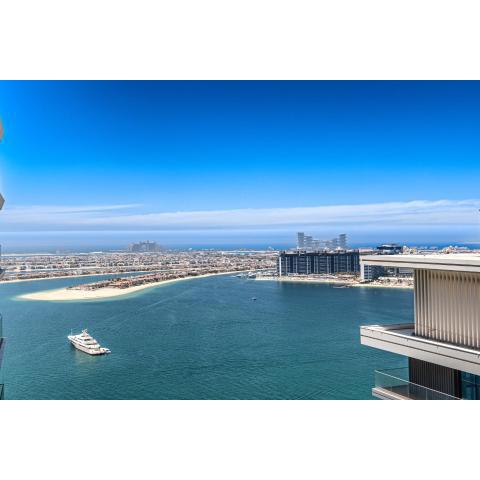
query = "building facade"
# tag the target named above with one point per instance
(371, 272)
(318, 263)
(441, 345)
(2, 339)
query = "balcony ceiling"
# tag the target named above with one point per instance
(456, 262)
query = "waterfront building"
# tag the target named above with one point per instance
(146, 246)
(342, 241)
(441, 344)
(318, 263)
(389, 249)
(371, 272)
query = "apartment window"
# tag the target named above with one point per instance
(470, 386)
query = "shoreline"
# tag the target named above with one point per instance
(332, 280)
(65, 294)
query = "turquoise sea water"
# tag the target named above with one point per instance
(200, 339)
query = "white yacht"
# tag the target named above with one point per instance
(86, 343)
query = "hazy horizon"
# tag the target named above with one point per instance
(73, 242)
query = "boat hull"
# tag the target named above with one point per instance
(89, 351)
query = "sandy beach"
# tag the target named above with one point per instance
(65, 294)
(303, 280)
(382, 285)
(348, 283)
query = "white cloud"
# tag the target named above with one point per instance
(126, 217)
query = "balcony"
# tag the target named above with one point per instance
(393, 384)
(401, 339)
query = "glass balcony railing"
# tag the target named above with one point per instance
(394, 383)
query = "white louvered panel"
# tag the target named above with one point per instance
(447, 306)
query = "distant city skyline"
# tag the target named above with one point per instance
(206, 163)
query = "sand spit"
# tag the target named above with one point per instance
(66, 294)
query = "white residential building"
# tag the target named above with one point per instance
(442, 342)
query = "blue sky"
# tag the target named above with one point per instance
(240, 162)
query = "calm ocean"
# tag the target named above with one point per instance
(199, 339)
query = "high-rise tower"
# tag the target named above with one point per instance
(300, 240)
